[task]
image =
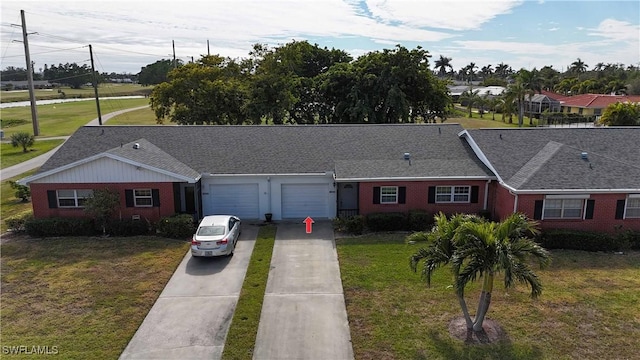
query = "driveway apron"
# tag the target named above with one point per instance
(303, 313)
(191, 317)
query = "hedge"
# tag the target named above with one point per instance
(178, 226)
(589, 241)
(58, 226)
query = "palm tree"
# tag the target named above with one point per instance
(578, 67)
(486, 71)
(487, 249)
(470, 97)
(532, 83)
(517, 92)
(470, 69)
(476, 249)
(442, 65)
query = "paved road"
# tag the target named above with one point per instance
(191, 318)
(37, 161)
(303, 314)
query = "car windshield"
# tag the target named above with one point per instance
(210, 230)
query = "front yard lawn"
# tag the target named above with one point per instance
(84, 296)
(589, 308)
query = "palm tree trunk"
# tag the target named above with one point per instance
(465, 311)
(485, 301)
(520, 112)
(530, 111)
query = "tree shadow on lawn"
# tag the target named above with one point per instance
(479, 346)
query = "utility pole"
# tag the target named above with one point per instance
(95, 85)
(173, 44)
(208, 52)
(32, 94)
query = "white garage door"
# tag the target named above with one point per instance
(302, 200)
(235, 199)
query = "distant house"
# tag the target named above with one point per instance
(592, 104)
(24, 85)
(566, 178)
(538, 104)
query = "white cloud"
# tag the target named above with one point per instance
(451, 14)
(617, 30)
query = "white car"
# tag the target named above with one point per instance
(217, 235)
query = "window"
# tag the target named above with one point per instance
(456, 194)
(563, 208)
(633, 207)
(73, 198)
(142, 198)
(388, 194)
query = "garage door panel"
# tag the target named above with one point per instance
(302, 200)
(235, 199)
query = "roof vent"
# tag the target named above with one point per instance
(584, 155)
(407, 156)
(136, 146)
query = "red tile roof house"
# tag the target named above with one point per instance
(592, 104)
(325, 171)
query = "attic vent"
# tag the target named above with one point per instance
(584, 155)
(407, 156)
(136, 146)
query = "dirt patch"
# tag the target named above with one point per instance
(491, 332)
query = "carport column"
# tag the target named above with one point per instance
(269, 189)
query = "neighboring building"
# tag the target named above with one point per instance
(582, 179)
(325, 171)
(24, 85)
(592, 104)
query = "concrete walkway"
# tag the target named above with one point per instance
(37, 161)
(191, 317)
(303, 313)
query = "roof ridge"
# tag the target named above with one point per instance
(534, 164)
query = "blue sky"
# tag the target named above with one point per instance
(126, 35)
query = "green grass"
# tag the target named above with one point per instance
(86, 296)
(10, 205)
(136, 117)
(14, 155)
(85, 92)
(65, 118)
(588, 309)
(242, 333)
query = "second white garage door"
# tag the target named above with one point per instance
(302, 200)
(235, 199)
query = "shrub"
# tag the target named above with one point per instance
(582, 240)
(420, 236)
(127, 227)
(178, 226)
(419, 220)
(630, 238)
(392, 221)
(350, 224)
(60, 227)
(16, 223)
(22, 191)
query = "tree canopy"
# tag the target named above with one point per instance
(303, 84)
(157, 72)
(621, 114)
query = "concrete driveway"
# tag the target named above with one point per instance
(191, 318)
(303, 313)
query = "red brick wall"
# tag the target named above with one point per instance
(166, 208)
(503, 205)
(603, 215)
(417, 197)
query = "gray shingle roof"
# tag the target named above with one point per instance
(281, 149)
(151, 155)
(550, 158)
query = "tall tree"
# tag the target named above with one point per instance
(442, 64)
(470, 98)
(532, 83)
(157, 72)
(70, 74)
(480, 249)
(517, 92)
(578, 67)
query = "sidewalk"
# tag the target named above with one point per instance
(303, 313)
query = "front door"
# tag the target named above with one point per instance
(347, 199)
